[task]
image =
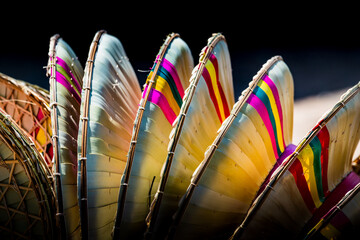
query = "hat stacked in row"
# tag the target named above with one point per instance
(176, 159)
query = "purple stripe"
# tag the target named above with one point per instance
(160, 100)
(348, 183)
(172, 70)
(62, 80)
(259, 106)
(275, 92)
(63, 64)
(288, 150)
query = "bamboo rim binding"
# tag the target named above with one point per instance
(257, 203)
(51, 71)
(222, 131)
(155, 207)
(83, 126)
(136, 129)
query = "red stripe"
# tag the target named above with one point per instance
(297, 171)
(323, 137)
(207, 78)
(223, 98)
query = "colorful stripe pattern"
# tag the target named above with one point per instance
(265, 99)
(66, 79)
(211, 76)
(167, 91)
(310, 171)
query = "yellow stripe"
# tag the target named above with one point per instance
(265, 87)
(210, 67)
(306, 158)
(162, 86)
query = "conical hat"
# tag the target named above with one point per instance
(248, 145)
(313, 178)
(160, 105)
(27, 206)
(205, 106)
(66, 75)
(109, 101)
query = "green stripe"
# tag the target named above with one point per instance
(265, 99)
(316, 148)
(162, 72)
(68, 78)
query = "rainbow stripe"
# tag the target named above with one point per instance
(266, 101)
(310, 170)
(65, 77)
(211, 77)
(167, 91)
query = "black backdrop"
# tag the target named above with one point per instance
(320, 45)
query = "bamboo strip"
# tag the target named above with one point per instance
(136, 128)
(54, 121)
(184, 109)
(84, 125)
(226, 125)
(35, 98)
(27, 156)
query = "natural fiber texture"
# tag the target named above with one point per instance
(206, 104)
(109, 102)
(162, 99)
(321, 162)
(236, 164)
(27, 200)
(65, 88)
(28, 105)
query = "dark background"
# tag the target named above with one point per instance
(320, 44)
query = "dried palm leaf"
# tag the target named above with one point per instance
(109, 101)
(27, 199)
(158, 109)
(206, 104)
(248, 145)
(28, 105)
(66, 75)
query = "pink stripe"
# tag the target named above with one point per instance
(157, 98)
(275, 92)
(63, 64)
(172, 70)
(62, 80)
(259, 106)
